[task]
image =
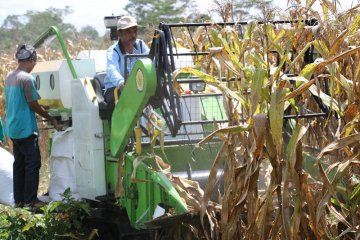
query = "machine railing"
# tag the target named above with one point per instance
(192, 116)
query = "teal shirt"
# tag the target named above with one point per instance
(1, 131)
(19, 91)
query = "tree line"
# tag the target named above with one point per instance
(149, 13)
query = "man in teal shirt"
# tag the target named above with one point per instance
(21, 127)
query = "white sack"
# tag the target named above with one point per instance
(62, 145)
(62, 165)
(6, 178)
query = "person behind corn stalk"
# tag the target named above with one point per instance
(2, 138)
(128, 43)
(21, 127)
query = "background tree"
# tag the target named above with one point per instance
(149, 13)
(89, 32)
(27, 28)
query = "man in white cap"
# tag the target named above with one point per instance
(21, 127)
(128, 43)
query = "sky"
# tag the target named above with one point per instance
(92, 13)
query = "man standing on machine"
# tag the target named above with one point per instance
(128, 43)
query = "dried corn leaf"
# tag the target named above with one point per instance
(339, 216)
(299, 90)
(336, 46)
(226, 130)
(224, 58)
(330, 187)
(350, 52)
(316, 227)
(210, 80)
(260, 127)
(190, 191)
(339, 144)
(209, 188)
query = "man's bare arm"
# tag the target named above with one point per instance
(39, 109)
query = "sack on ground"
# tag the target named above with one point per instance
(6, 178)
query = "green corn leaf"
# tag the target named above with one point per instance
(250, 29)
(215, 37)
(277, 117)
(283, 60)
(326, 99)
(308, 70)
(355, 193)
(275, 38)
(258, 59)
(234, 59)
(259, 79)
(321, 47)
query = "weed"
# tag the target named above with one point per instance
(58, 220)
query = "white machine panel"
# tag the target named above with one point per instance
(88, 144)
(53, 80)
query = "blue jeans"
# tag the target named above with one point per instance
(26, 169)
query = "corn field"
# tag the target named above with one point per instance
(284, 178)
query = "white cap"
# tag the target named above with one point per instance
(126, 22)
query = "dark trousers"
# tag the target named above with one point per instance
(110, 101)
(26, 169)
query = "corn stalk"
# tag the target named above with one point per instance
(312, 189)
